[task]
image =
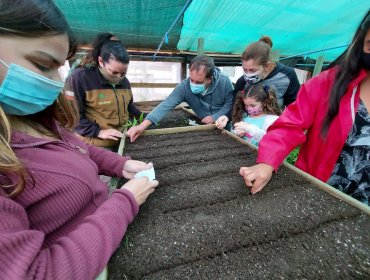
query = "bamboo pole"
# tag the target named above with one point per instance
(114, 181)
(237, 138)
(329, 189)
(189, 111)
(173, 130)
(122, 142)
(316, 182)
(154, 85)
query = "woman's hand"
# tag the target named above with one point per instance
(135, 131)
(141, 188)
(257, 176)
(110, 133)
(132, 167)
(221, 122)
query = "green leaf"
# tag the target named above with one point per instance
(141, 118)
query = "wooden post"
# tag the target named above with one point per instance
(114, 181)
(183, 71)
(200, 46)
(276, 55)
(318, 65)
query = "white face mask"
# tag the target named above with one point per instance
(253, 78)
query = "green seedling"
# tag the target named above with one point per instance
(126, 242)
(134, 121)
(292, 157)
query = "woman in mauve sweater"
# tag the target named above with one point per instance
(56, 220)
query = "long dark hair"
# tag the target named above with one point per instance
(113, 50)
(32, 19)
(107, 46)
(91, 57)
(349, 66)
(262, 93)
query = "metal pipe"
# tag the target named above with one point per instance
(310, 64)
(303, 54)
(165, 37)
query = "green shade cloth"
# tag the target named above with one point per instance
(295, 26)
(227, 26)
(139, 24)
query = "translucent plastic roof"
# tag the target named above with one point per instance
(227, 26)
(295, 26)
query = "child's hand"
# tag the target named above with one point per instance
(238, 132)
(221, 122)
(242, 126)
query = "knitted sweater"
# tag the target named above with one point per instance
(64, 226)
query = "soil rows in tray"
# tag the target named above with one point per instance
(202, 222)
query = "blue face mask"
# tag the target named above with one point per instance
(197, 88)
(24, 92)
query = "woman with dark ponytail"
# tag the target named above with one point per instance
(92, 56)
(331, 122)
(103, 92)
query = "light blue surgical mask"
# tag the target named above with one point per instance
(24, 92)
(197, 88)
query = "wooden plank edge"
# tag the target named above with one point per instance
(316, 182)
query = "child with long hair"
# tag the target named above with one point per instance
(255, 109)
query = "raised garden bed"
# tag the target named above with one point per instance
(202, 223)
(176, 118)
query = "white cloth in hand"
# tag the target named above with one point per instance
(146, 173)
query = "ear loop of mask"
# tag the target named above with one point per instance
(5, 64)
(249, 91)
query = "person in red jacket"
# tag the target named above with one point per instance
(330, 121)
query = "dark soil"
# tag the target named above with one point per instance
(176, 118)
(202, 223)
